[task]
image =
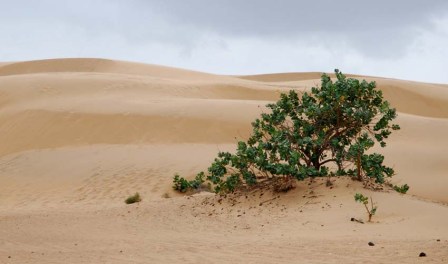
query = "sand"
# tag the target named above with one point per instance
(77, 136)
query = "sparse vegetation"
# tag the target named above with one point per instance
(325, 132)
(183, 185)
(365, 200)
(401, 189)
(133, 199)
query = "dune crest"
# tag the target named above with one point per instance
(96, 65)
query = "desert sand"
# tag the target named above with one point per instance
(78, 136)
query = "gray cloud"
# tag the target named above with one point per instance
(378, 27)
(387, 38)
(261, 17)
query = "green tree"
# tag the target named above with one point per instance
(323, 132)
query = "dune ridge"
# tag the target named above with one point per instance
(96, 65)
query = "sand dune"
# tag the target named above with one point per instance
(288, 77)
(77, 136)
(98, 66)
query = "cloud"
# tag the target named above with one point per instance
(401, 39)
(378, 27)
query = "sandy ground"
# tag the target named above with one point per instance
(77, 136)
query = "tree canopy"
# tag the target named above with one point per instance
(324, 132)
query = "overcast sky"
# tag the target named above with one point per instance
(406, 39)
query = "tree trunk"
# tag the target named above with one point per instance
(316, 164)
(358, 165)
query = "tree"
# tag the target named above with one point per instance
(325, 132)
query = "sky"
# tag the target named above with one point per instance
(404, 39)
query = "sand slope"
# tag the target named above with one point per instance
(77, 136)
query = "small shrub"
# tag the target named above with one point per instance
(182, 185)
(401, 189)
(365, 200)
(133, 199)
